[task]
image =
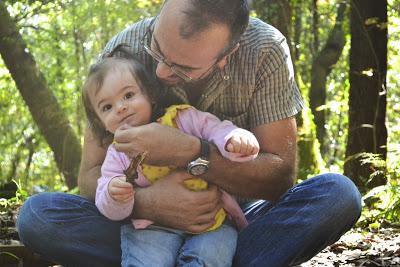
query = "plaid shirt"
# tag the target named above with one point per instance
(255, 87)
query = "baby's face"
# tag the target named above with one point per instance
(120, 101)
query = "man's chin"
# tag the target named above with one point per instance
(171, 83)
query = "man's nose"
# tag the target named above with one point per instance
(163, 71)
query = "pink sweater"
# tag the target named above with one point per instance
(191, 121)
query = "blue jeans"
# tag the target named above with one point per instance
(68, 229)
(165, 247)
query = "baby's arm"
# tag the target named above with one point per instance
(114, 196)
(224, 134)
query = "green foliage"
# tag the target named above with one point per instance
(382, 203)
(393, 87)
(13, 203)
(374, 162)
(64, 37)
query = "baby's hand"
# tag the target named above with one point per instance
(242, 145)
(120, 190)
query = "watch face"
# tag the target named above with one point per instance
(198, 169)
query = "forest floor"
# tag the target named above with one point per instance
(358, 247)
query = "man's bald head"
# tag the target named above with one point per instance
(196, 16)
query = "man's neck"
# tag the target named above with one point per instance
(193, 93)
(196, 89)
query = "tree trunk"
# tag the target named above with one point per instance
(315, 26)
(297, 31)
(45, 110)
(321, 67)
(367, 98)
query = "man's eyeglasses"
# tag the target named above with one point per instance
(178, 71)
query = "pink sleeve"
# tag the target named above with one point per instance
(113, 166)
(209, 127)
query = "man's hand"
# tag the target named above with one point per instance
(120, 190)
(160, 141)
(168, 202)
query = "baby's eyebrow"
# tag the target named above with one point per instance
(100, 102)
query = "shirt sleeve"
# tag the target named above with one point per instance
(276, 95)
(209, 127)
(112, 167)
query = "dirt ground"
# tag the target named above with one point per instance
(361, 248)
(357, 247)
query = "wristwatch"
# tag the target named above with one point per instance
(200, 165)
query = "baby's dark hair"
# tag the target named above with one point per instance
(118, 57)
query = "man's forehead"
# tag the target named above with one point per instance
(200, 48)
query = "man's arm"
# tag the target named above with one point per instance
(93, 156)
(209, 127)
(271, 174)
(266, 177)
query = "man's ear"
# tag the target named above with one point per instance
(222, 62)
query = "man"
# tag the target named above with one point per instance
(208, 54)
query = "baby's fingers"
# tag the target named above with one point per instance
(123, 197)
(229, 147)
(235, 143)
(255, 148)
(250, 148)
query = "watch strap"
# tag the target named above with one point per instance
(204, 149)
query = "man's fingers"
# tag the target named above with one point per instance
(204, 222)
(123, 147)
(124, 127)
(209, 201)
(124, 134)
(208, 217)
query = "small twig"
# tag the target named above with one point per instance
(131, 172)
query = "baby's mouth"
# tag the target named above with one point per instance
(126, 118)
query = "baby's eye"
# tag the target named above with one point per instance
(106, 108)
(129, 95)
